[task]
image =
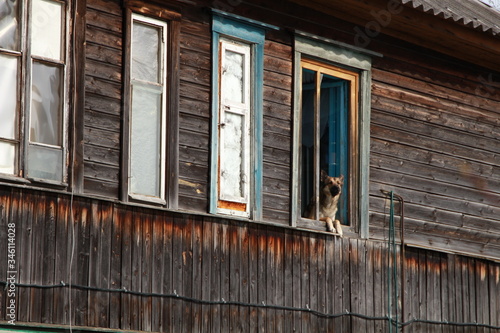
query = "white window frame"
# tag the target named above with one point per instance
(243, 109)
(24, 100)
(163, 87)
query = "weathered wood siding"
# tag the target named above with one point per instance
(188, 273)
(434, 126)
(435, 141)
(103, 97)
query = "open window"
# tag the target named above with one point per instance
(33, 91)
(331, 131)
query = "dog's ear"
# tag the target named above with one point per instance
(341, 179)
(323, 176)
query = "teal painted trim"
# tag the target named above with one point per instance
(258, 97)
(228, 26)
(214, 144)
(247, 21)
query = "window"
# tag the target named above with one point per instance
(331, 130)
(33, 89)
(236, 146)
(151, 107)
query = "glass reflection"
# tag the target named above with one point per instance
(46, 105)
(46, 29)
(9, 25)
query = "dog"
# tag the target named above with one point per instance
(330, 191)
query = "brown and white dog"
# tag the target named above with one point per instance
(329, 194)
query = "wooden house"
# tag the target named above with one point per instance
(157, 159)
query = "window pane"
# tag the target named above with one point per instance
(7, 158)
(46, 105)
(232, 160)
(146, 53)
(9, 25)
(45, 163)
(8, 97)
(46, 29)
(307, 147)
(145, 142)
(233, 77)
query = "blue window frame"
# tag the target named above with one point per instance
(236, 142)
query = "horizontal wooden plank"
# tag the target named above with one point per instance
(98, 171)
(452, 120)
(101, 138)
(456, 165)
(102, 155)
(104, 19)
(100, 188)
(189, 154)
(102, 121)
(111, 7)
(439, 132)
(103, 37)
(278, 50)
(197, 140)
(401, 136)
(103, 54)
(103, 71)
(195, 107)
(102, 87)
(102, 104)
(196, 75)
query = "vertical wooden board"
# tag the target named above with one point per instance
(245, 277)
(288, 280)
(38, 227)
(224, 277)
(215, 291)
(494, 287)
(25, 228)
(422, 295)
(61, 260)
(471, 287)
(482, 293)
(355, 284)
(80, 269)
(206, 269)
(329, 283)
(177, 273)
(115, 271)
(379, 290)
(347, 305)
(167, 277)
(305, 265)
(446, 294)
(279, 285)
(146, 271)
(321, 286)
(253, 273)
(453, 295)
(339, 273)
(262, 277)
(49, 241)
(105, 240)
(297, 279)
(157, 272)
(137, 221)
(271, 280)
(187, 267)
(197, 281)
(313, 281)
(370, 284)
(94, 264)
(234, 277)
(126, 269)
(412, 286)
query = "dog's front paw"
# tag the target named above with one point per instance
(329, 225)
(338, 227)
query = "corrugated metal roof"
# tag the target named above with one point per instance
(471, 13)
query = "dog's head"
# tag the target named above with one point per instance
(331, 185)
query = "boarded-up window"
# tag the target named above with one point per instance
(33, 89)
(147, 116)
